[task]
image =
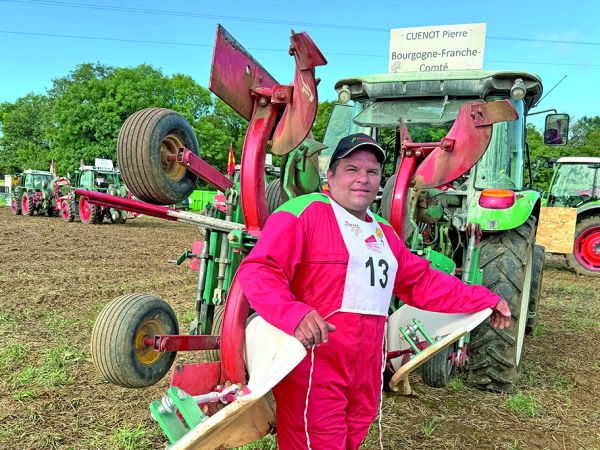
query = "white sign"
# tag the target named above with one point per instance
(103, 163)
(429, 49)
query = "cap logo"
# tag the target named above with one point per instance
(362, 139)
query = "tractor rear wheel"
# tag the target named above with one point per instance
(507, 262)
(30, 206)
(438, 371)
(536, 288)
(146, 139)
(16, 207)
(585, 259)
(88, 212)
(273, 194)
(119, 348)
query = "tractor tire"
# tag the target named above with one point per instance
(438, 371)
(536, 288)
(585, 259)
(273, 194)
(15, 206)
(30, 206)
(67, 213)
(215, 355)
(118, 349)
(507, 262)
(123, 218)
(145, 140)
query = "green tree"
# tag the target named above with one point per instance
(23, 143)
(323, 112)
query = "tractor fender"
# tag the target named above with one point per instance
(589, 209)
(526, 204)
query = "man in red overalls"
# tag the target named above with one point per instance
(324, 270)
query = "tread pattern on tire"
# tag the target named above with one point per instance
(492, 352)
(536, 287)
(273, 194)
(215, 355)
(146, 182)
(434, 372)
(108, 342)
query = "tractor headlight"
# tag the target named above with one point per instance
(518, 90)
(344, 95)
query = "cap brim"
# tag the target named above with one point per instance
(380, 151)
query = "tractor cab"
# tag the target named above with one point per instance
(428, 104)
(576, 182)
(36, 180)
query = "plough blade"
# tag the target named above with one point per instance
(235, 73)
(299, 115)
(465, 143)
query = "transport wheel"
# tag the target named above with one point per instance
(438, 371)
(215, 355)
(118, 348)
(585, 259)
(536, 288)
(507, 262)
(145, 140)
(273, 193)
(67, 212)
(16, 207)
(85, 210)
(123, 218)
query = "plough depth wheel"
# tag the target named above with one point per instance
(118, 348)
(146, 139)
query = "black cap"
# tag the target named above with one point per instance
(353, 142)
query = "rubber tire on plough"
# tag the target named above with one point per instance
(67, 213)
(215, 355)
(438, 371)
(145, 140)
(507, 262)
(586, 261)
(118, 349)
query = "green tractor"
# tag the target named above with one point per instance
(575, 186)
(101, 177)
(31, 192)
(481, 226)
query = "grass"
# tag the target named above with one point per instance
(457, 384)
(525, 406)
(429, 427)
(129, 438)
(269, 442)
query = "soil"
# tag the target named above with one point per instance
(56, 276)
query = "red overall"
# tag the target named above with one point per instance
(299, 264)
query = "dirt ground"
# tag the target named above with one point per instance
(55, 277)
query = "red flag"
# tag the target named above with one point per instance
(52, 168)
(80, 164)
(231, 161)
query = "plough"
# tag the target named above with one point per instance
(225, 402)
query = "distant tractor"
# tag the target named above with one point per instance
(32, 192)
(575, 186)
(101, 177)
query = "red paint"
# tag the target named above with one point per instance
(182, 343)
(201, 169)
(587, 248)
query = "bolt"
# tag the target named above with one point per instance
(232, 237)
(409, 153)
(418, 153)
(262, 101)
(279, 95)
(181, 394)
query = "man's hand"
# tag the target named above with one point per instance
(312, 330)
(500, 315)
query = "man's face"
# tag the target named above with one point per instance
(356, 182)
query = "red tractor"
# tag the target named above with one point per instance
(225, 403)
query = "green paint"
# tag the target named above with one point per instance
(439, 261)
(297, 205)
(503, 219)
(169, 422)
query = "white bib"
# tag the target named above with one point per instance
(372, 265)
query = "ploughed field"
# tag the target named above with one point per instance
(55, 277)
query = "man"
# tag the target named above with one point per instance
(324, 270)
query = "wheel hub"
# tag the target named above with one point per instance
(144, 352)
(169, 146)
(587, 248)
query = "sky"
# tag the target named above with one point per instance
(45, 39)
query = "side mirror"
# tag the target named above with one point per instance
(556, 131)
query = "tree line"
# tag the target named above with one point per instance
(80, 115)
